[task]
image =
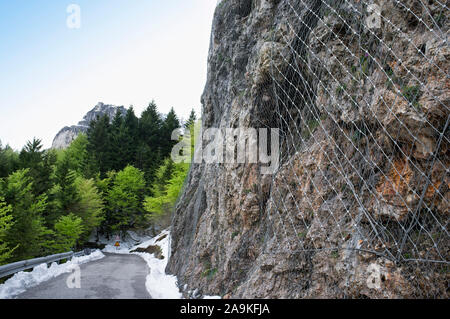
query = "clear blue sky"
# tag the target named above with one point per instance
(127, 52)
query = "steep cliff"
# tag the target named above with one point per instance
(69, 133)
(360, 204)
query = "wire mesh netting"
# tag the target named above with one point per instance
(362, 104)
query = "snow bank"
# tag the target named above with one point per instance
(21, 281)
(158, 283)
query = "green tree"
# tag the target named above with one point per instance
(90, 206)
(170, 123)
(163, 175)
(148, 153)
(176, 182)
(65, 190)
(157, 204)
(6, 222)
(191, 120)
(125, 200)
(105, 184)
(150, 125)
(130, 139)
(39, 164)
(28, 233)
(99, 146)
(31, 153)
(9, 161)
(68, 230)
(167, 188)
(77, 154)
(119, 138)
(148, 160)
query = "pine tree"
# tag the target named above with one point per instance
(150, 125)
(118, 140)
(54, 199)
(99, 146)
(130, 133)
(148, 160)
(191, 120)
(28, 233)
(65, 191)
(9, 161)
(148, 154)
(163, 175)
(39, 165)
(6, 222)
(170, 123)
(31, 153)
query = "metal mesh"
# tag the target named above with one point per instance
(362, 92)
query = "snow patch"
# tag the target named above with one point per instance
(158, 283)
(21, 281)
(123, 249)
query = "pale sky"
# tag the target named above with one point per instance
(126, 52)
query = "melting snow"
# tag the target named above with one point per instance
(159, 284)
(21, 281)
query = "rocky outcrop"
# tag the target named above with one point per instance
(69, 133)
(360, 205)
(65, 137)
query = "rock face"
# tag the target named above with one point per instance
(360, 204)
(68, 134)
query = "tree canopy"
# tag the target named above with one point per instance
(117, 176)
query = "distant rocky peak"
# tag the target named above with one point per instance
(66, 135)
(99, 110)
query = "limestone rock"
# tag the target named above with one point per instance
(69, 133)
(360, 132)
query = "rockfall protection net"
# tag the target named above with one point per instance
(362, 93)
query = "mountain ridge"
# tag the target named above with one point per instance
(67, 134)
